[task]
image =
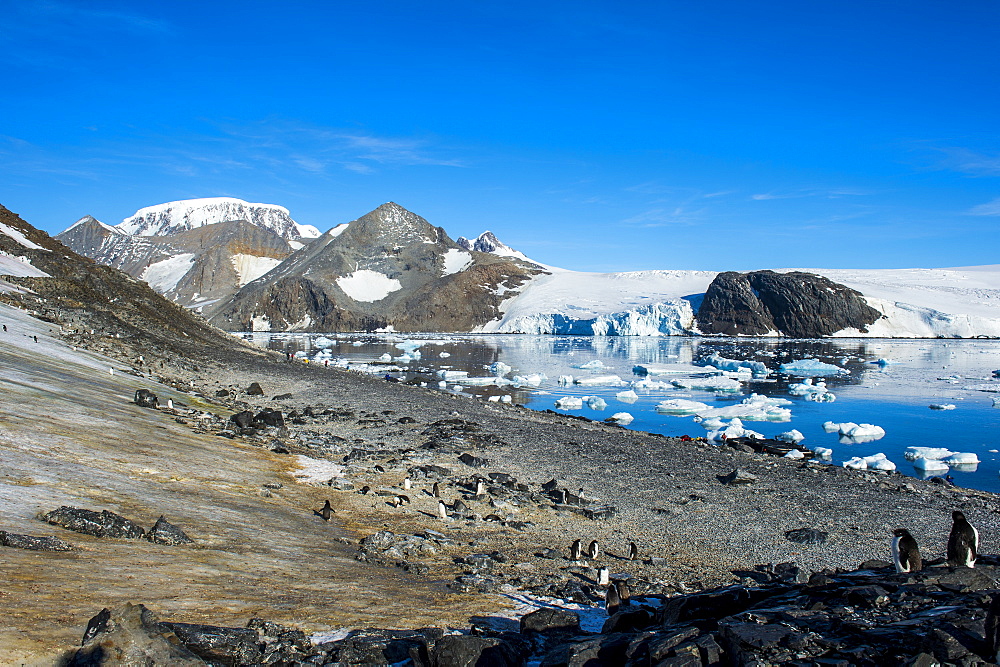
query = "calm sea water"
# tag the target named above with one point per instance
(895, 394)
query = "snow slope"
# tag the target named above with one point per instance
(176, 216)
(918, 303)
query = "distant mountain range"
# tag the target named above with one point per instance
(252, 267)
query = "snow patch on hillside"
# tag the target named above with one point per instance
(19, 267)
(20, 238)
(366, 285)
(164, 275)
(252, 267)
(455, 260)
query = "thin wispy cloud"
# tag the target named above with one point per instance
(968, 161)
(989, 208)
(829, 193)
(664, 217)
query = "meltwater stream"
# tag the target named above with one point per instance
(886, 383)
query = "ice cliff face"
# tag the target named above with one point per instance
(179, 216)
(675, 318)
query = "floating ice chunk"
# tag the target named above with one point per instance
(879, 462)
(565, 379)
(533, 380)
(627, 396)
(822, 452)
(323, 342)
(596, 403)
(493, 399)
(443, 384)
(831, 427)
(734, 429)
(357, 343)
(666, 369)
(793, 436)
(855, 463)
(930, 465)
(405, 358)
(680, 407)
(486, 381)
(711, 423)
(821, 397)
(990, 387)
(755, 367)
(594, 365)
(409, 345)
(385, 357)
(961, 458)
(766, 400)
(942, 406)
(882, 362)
(506, 399)
(759, 412)
(810, 368)
(600, 381)
(569, 403)
(499, 368)
(794, 454)
(714, 383)
(445, 355)
(622, 418)
(651, 385)
(931, 453)
(452, 375)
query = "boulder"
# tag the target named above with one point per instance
(242, 419)
(144, 398)
(218, 645)
(255, 389)
(32, 543)
(128, 636)
(164, 532)
(98, 524)
(473, 461)
(269, 417)
(551, 620)
(473, 651)
(737, 477)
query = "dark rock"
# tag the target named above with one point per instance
(242, 419)
(32, 543)
(600, 650)
(282, 397)
(222, 393)
(473, 651)
(164, 532)
(628, 620)
(381, 647)
(128, 636)
(226, 646)
(796, 304)
(663, 643)
(98, 524)
(806, 536)
(269, 417)
(737, 477)
(473, 461)
(551, 620)
(254, 389)
(144, 398)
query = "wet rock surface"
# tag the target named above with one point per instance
(33, 543)
(99, 524)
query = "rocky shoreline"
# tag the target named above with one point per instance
(770, 565)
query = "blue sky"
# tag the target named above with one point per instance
(598, 136)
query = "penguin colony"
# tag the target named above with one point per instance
(963, 546)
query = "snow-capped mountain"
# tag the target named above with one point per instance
(178, 216)
(197, 252)
(389, 267)
(488, 242)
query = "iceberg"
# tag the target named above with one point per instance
(627, 396)
(651, 385)
(812, 391)
(596, 403)
(990, 387)
(486, 381)
(755, 367)
(793, 436)
(794, 454)
(734, 429)
(823, 452)
(565, 379)
(623, 418)
(874, 462)
(600, 381)
(569, 403)
(931, 453)
(596, 364)
(533, 380)
(961, 458)
(810, 368)
(714, 383)
(445, 355)
(499, 368)
(452, 375)
(385, 357)
(666, 369)
(323, 342)
(930, 465)
(680, 407)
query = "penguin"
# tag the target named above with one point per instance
(621, 585)
(593, 550)
(436, 490)
(633, 551)
(603, 577)
(612, 603)
(992, 630)
(905, 554)
(459, 506)
(480, 488)
(326, 511)
(963, 542)
(442, 510)
(407, 484)
(576, 551)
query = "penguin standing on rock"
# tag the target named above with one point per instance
(633, 551)
(593, 550)
(326, 511)
(963, 542)
(612, 603)
(905, 554)
(576, 551)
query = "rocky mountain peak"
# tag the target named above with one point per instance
(180, 216)
(391, 226)
(488, 242)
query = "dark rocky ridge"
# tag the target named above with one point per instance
(796, 304)
(303, 294)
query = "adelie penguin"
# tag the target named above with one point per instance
(325, 512)
(436, 490)
(905, 554)
(963, 542)
(442, 510)
(576, 551)
(633, 551)
(612, 602)
(593, 550)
